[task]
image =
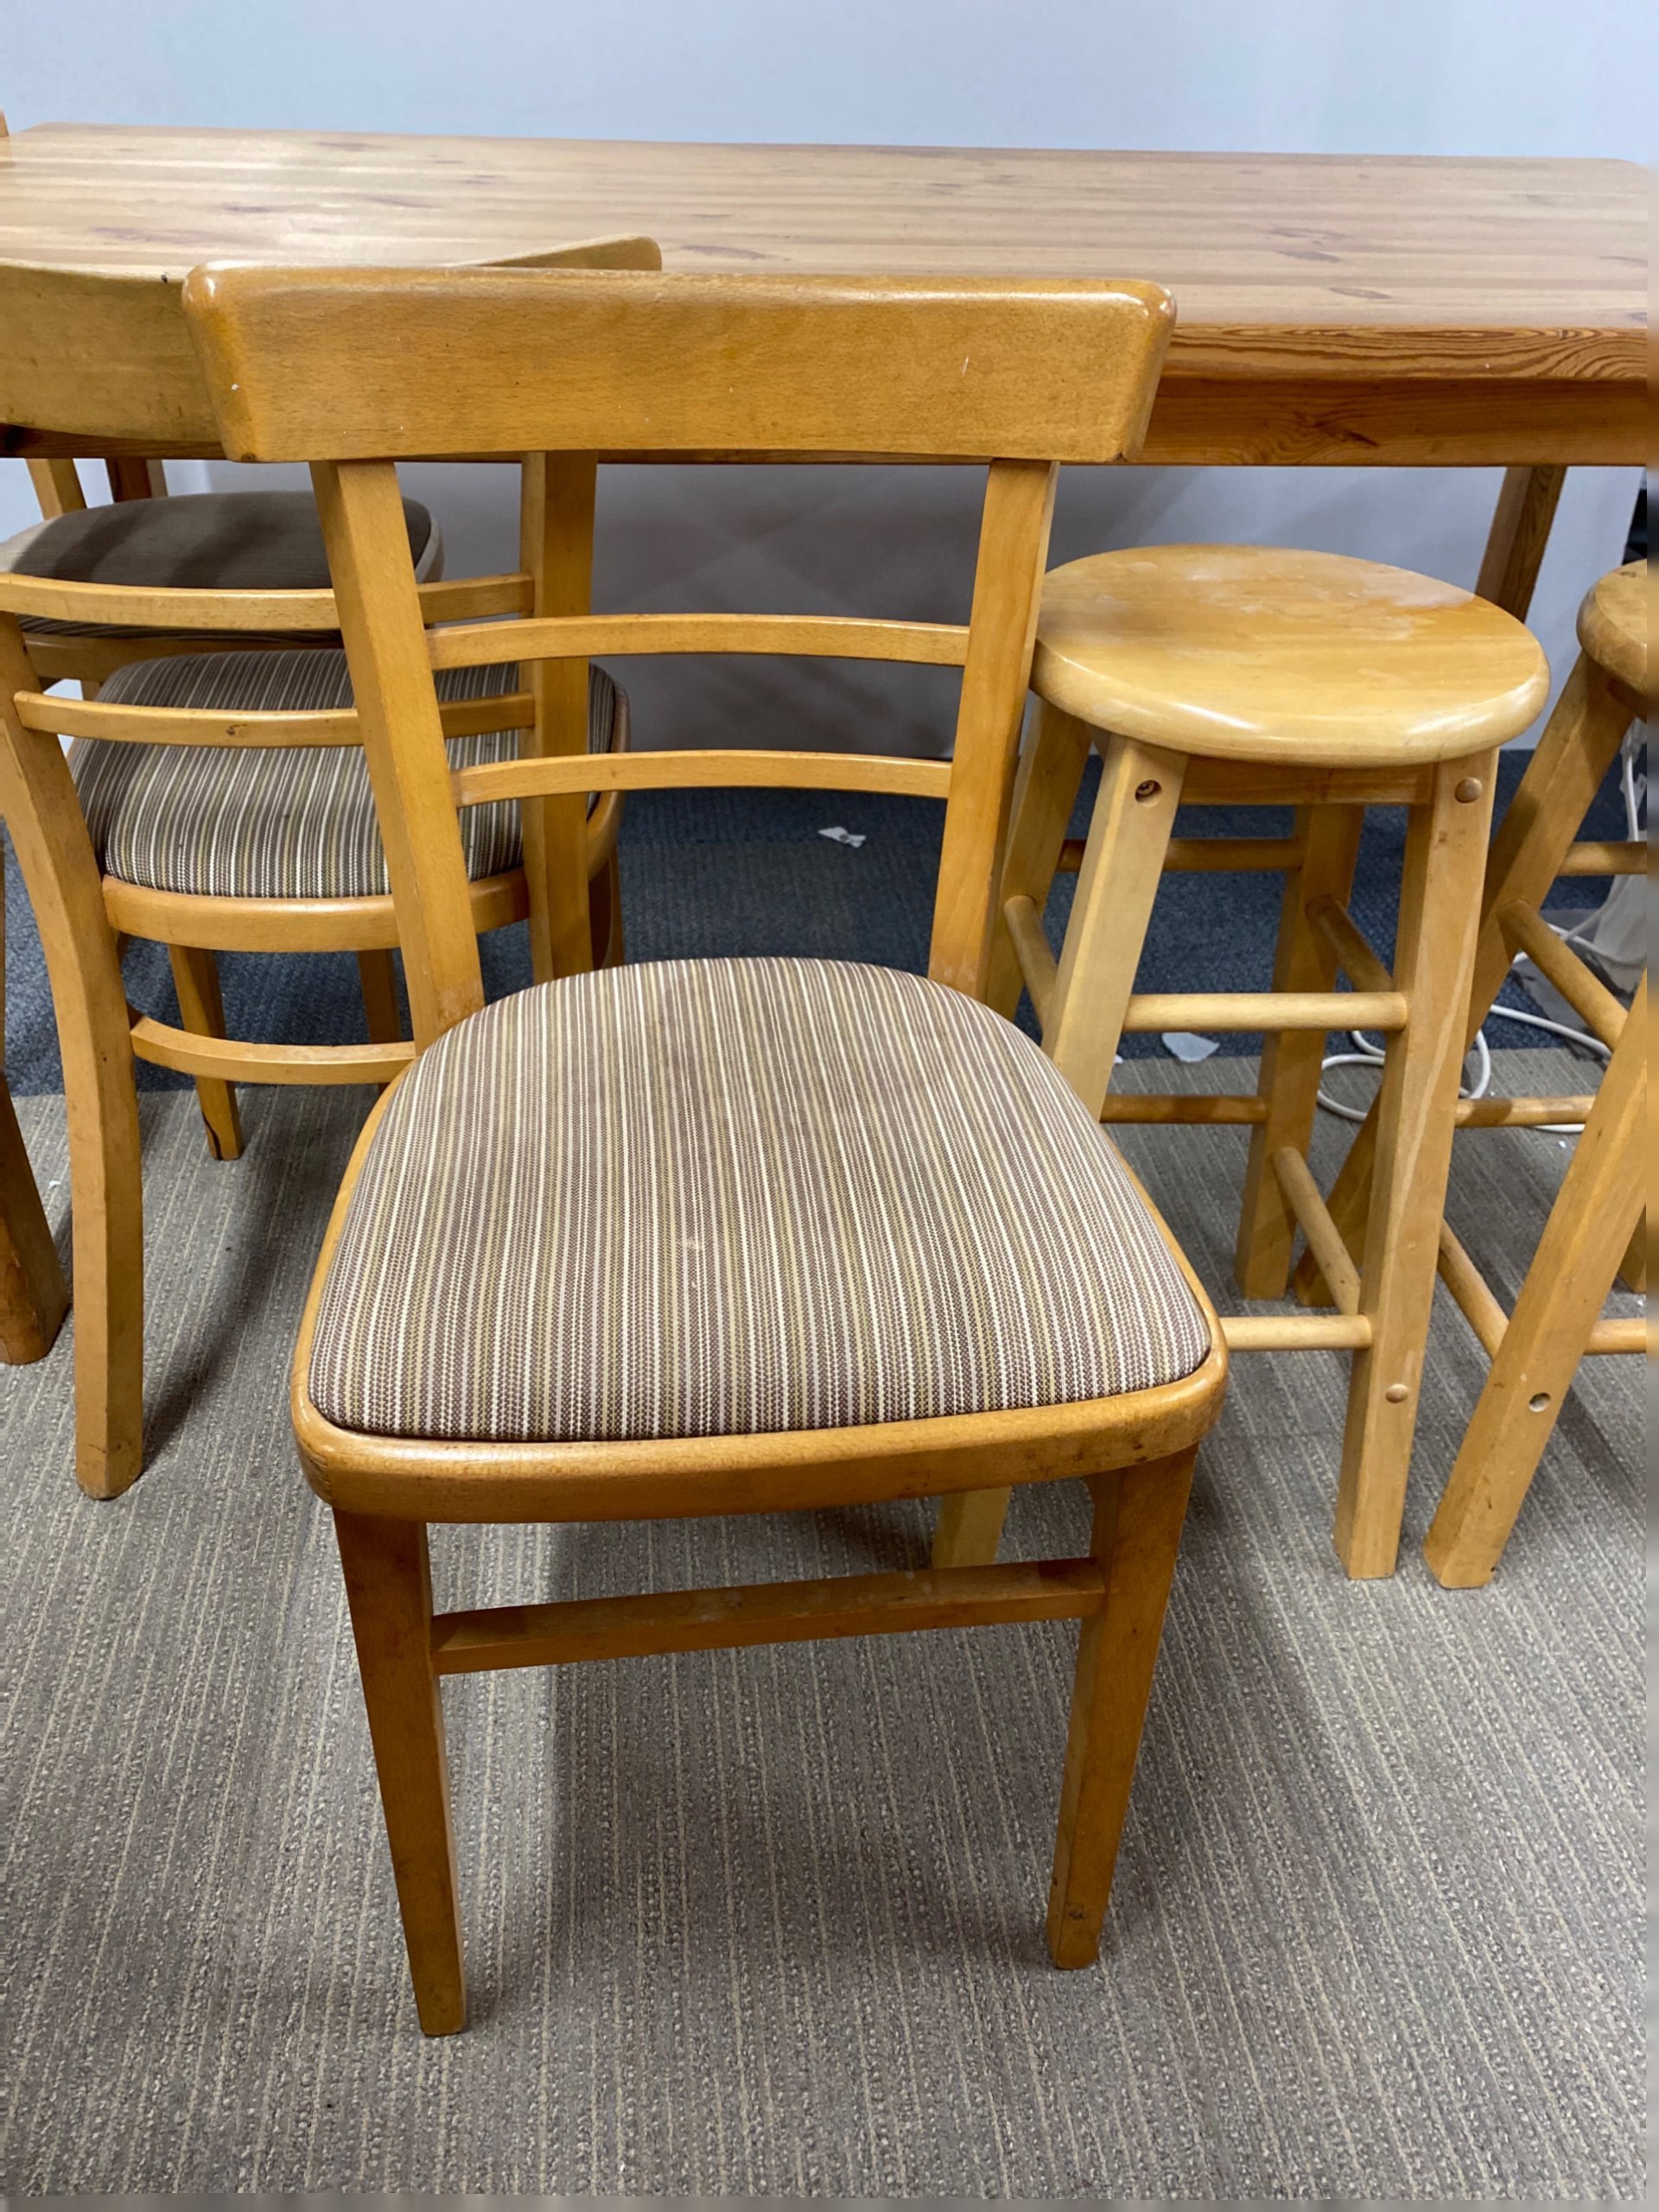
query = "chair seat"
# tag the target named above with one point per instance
(1613, 624)
(204, 541)
(280, 821)
(1250, 652)
(724, 1198)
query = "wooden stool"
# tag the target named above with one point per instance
(1597, 1213)
(1245, 675)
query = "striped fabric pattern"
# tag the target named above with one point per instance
(738, 1197)
(281, 822)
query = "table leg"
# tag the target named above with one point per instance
(1520, 531)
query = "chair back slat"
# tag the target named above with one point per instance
(702, 769)
(353, 371)
(296, 614)
(835, 637)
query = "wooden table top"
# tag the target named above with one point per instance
(1502, 290)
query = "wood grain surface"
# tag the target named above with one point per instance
(1331, 308)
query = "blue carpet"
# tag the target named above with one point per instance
(726, 872)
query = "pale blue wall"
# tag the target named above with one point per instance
(1413, 76)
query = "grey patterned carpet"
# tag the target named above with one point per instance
(769, 1923)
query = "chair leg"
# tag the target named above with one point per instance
(377, 975)
(389, 1589)
(1139, 1512)
(1572, 1271)
(1292, 1058)
(34, 1296)
(1540, 823)
(195, 979)
(604, 915)
(1439, 912)
(1044, 792)
(42, 812)
(1129, 837)
(970, 1527)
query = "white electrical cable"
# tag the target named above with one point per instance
(1367, 1055)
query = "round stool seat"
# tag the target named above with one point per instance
(1254, 653)
(1613, 626)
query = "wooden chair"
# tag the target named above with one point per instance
(1245, 675)
(841, 1234)
(1596, 1218)
(84, 351)
(272, 847)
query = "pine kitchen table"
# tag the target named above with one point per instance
(1333, 310)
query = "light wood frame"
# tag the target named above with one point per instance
(1535, 843)
(1594, 1229)
(1086, 1002)
(799, 367)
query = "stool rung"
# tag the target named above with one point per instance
(1348, 941)
(1588, 996)
(1034, 953)
(1205, 1106)
(1384, 1010)
(1471, 1292)
(1527, 1113)
(1627, 1335)
(1605, 856)
(1208, 855)
(1472, 1295)
(1296, 1332)
(1323, 1238)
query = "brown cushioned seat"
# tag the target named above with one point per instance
(204, 541)
(738, 1197)
(280, 821)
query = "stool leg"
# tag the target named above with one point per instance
(1129, 835)
(1123, 867)
(389, 1588)
(1540, 823)
(1439, 912)
(1050, 769)
(195, 979)
(1291, 1058)
(377, 975)
(1560, 1302)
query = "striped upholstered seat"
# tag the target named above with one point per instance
(736, 1197)
(200, 541)
(279, 821)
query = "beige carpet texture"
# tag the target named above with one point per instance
(769, 1923)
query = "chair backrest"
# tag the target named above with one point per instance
(354, 370)
(95, 359)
